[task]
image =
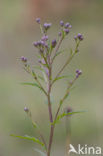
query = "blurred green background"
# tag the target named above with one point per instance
(18, 30)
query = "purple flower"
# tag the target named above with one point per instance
(80, 36)
(75, 37)
(47, 26)
(38, 20)
(67, 25)
(70, 26)
(54, 42)
(66, 31)
(62, 23)
(44, 38)
(59, 33)
(23, 59)
(78, 73)
(35, 44)
(26, 109)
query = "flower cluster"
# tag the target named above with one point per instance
(78, 73)
(48, 50)
(65, 27)
(79, 37)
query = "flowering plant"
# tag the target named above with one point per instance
(48, 51)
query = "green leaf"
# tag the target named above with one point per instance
(61, 77)
(28, 138)
(40, 152)
(66, 114)
(40, 77)
(31, 84)
(34, 125)
(58, 53)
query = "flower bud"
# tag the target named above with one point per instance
(62, 23)
(80, 36)
(54, 42)
(44, 38)
(38, 20)
(66, 31)
(26, 109)
(23, 59)
(78, 73)
(60, 34)
(47, 26)
(67, 25)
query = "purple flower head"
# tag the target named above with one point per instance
(80, 36)
(54, 42)
(26, 109)
(75, 37)
(67, 25)
(43, 61)
(62, 23)
(44, 38)
(78, 73)
(60, 34)
(23, 59)
(38, 20)
(42, 43)
(66, 31)
(35, 44)
(70, 26)
(47, 25)
(39, 43)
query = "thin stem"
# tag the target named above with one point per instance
(68, 61)
(64, 97)
(42, 138)
(50, 109)
(41, 86)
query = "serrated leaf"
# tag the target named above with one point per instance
(40, 152)
(66, 114)
(29, 138)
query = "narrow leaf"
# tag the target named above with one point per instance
(29, 138)
(66, 114)
(58, 53)
(61, 77)
(31, 84)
